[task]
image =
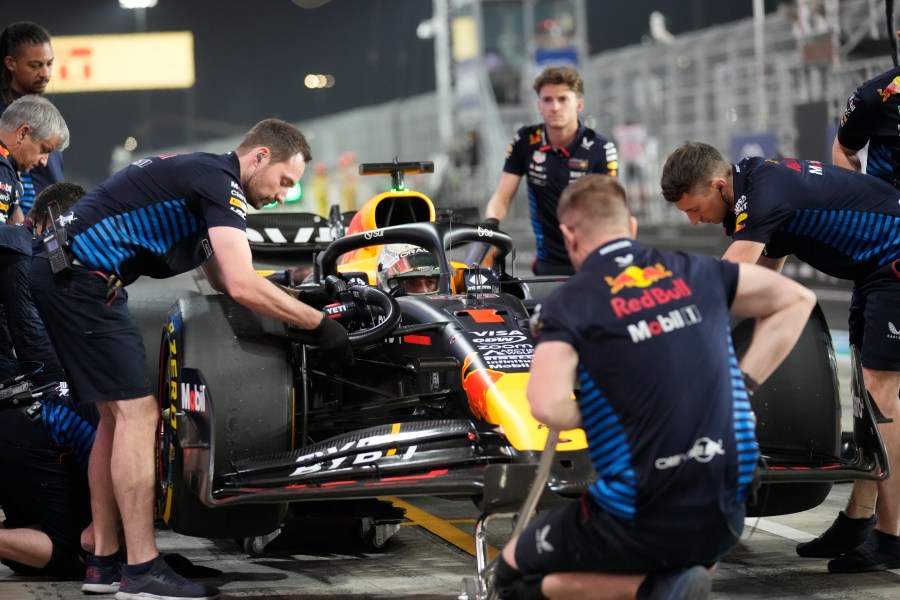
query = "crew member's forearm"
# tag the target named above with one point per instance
(266, 298)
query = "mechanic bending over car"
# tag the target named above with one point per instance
(30, 128)
(551, 155)
(22, 328)
(160, 216)
(407, 269)
(871, 119)
(844, 224)
(663, 401)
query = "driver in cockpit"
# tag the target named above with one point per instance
(407, 269)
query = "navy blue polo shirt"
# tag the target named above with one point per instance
(549, 171)
(152, 217)
(841, 222)
(668, 420)
(872, 116)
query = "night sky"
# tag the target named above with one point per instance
(252, 55)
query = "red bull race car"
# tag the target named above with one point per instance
(432, 402)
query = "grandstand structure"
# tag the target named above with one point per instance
(786, 74)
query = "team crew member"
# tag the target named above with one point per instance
(842, 223)
(44, 450)
(872, 117)
(159, 217)
(27, 67)
(30, 129)
(654, 521)
(551, 154)
(22, 324)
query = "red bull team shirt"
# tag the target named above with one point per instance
(152, 217)
(840, 222)
(668, 420)
(872, 116)
(549, 171)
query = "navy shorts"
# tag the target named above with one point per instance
(581, 537)
(875, 322)
(100, 344)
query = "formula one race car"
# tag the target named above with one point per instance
(432, 402)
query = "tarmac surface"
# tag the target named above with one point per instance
(430, 555)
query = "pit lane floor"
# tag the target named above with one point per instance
(425, 560)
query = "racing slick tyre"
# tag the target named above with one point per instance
(245, 360)
(798, 418)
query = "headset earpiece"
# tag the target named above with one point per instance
(260, 156)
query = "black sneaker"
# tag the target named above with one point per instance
(102, 576)
(693, 583)
(844, 535)
(880, 552)
(162, 583)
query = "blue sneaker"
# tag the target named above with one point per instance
(693, 583)
(160, 582)
(102, 576)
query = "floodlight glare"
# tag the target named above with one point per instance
(137, 3)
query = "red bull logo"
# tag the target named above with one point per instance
(892, 89)
(741, 222)
(637, 277)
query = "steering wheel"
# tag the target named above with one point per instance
(363, 296)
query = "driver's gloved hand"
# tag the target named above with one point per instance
(491, 223)
(331, 337)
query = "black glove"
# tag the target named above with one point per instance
(491, 223)
(330, 336)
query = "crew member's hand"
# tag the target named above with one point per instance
(331, 337)
(491, 223)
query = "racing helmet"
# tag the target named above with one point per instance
(410, 267)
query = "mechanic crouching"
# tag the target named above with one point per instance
(663, 401)
(45, 439)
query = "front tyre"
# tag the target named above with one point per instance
(245, 360)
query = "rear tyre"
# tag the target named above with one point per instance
(245, 360)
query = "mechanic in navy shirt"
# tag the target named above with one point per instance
(663, 401)
(30, 129)
(842, 223)
(872, 117)
(160, 216)
(44, 451)
(22, 328)
(27, 66)
(551, 155)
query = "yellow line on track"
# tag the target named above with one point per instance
(441, 528)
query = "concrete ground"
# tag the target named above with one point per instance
(430, 555)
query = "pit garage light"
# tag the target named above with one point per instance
(318, 81)
(137, 3)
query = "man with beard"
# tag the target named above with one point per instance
(160, 216)
(27, 68)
